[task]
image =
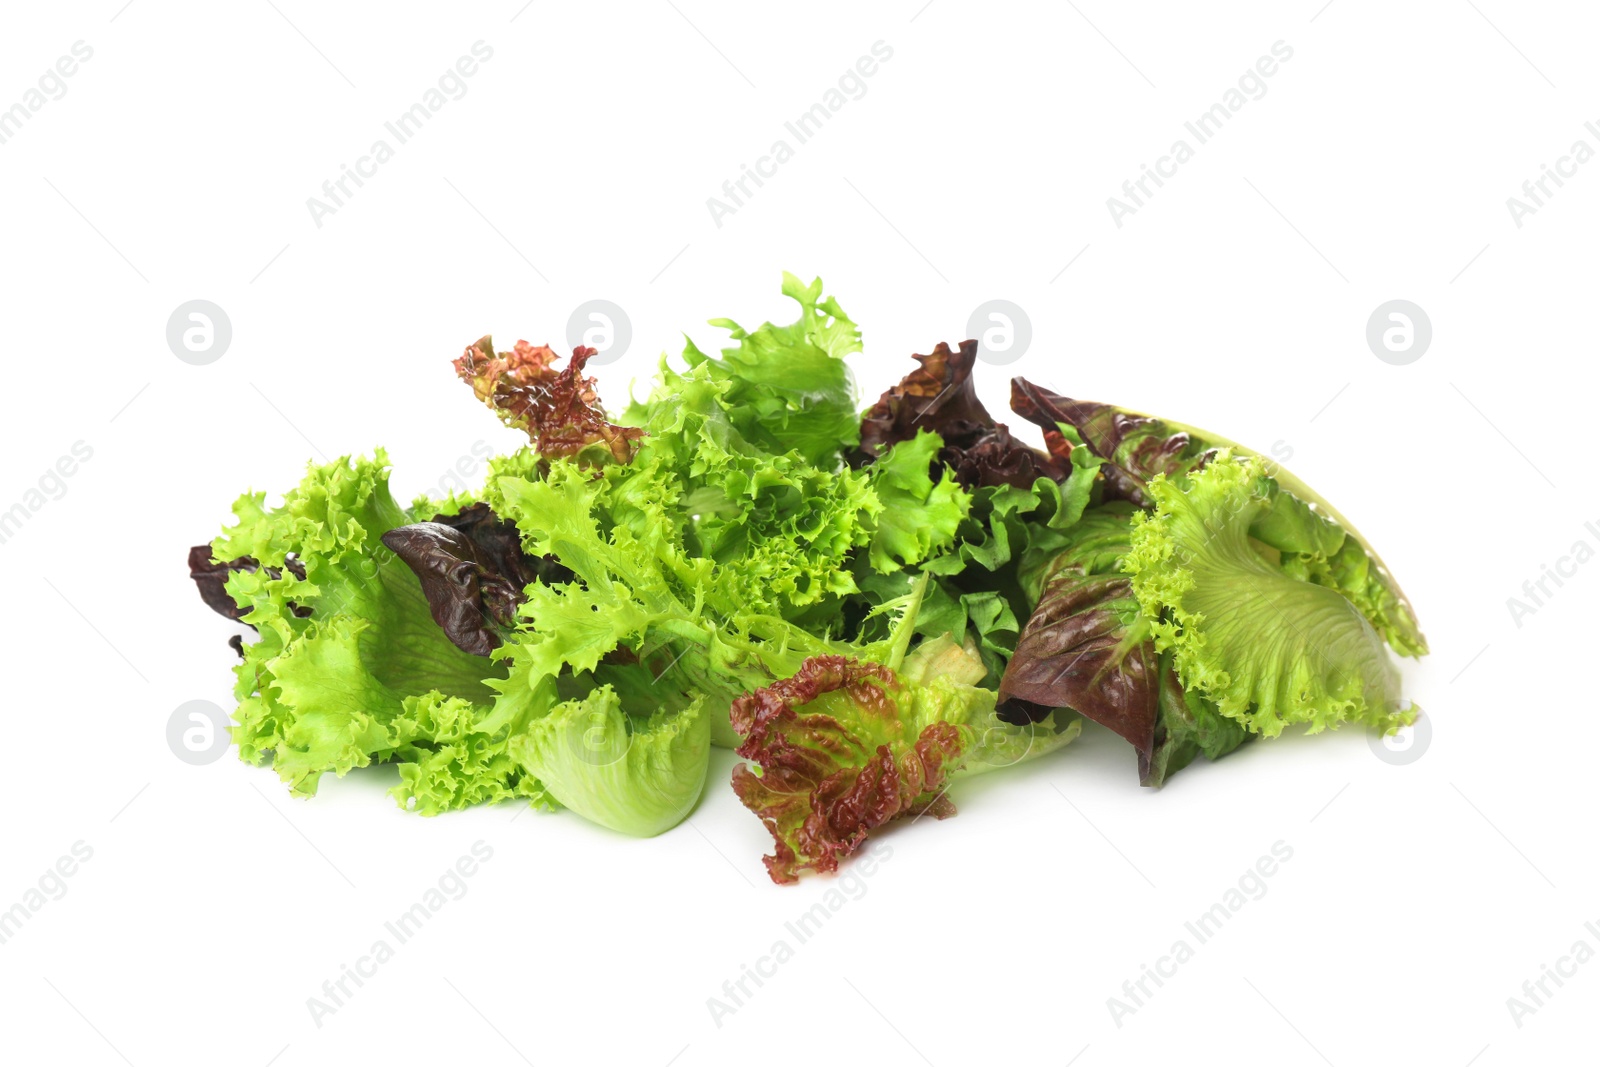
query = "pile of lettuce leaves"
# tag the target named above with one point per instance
(867, 605)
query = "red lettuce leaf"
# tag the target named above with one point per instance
(939, 396)
(473, 572)
(1085, 646)
(559, 410)
(210, 577)
(832, 772)
(1135, 447)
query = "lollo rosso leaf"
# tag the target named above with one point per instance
(824, 786)
(558, 410)
(845, 746)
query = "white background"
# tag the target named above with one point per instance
(977, 165)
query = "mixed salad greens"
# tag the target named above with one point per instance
(867, 606)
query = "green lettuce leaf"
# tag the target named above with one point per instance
(730, 547)
(781, 388)
(1187, 725)
(454, 754)
(1138, 448)
(1268, 648)
(919, 516)
(343, 647)
(1009, 533)
(636, 775)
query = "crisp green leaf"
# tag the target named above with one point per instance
(636, 775)
(342, 648)
(1269, 649)
(919, 516)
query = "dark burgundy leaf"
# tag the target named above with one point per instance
(473, 572)
(211, 578)
(1135, 447)
(994, 457)
(1075, 653)
(939, 396)
(1084, 646)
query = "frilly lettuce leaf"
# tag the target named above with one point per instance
(455, 754)
(844, 746)
(559, 410)
(724, 552)
(341, 649)
(704, 628)
(1138, 448)
(779, 388)
(1267, 648)
(1316, 548)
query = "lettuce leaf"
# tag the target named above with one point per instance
(919, 516)
(1134, 448)
(1138, 448)
(1087, 645)
(1187, 725)
(638, 775)
(844, 746)
(939, 397)
(1009, 532)
(453, 754)
(781, 389)
(473, 572)
(1268, 648)
(346, 637)
(716, 627)
(558, 409)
